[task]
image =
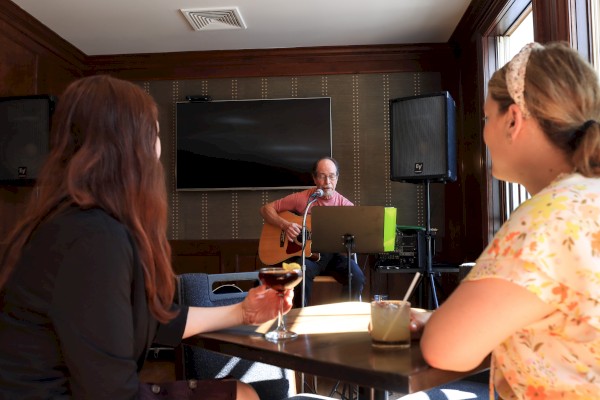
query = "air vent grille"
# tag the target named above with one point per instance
(202, 19)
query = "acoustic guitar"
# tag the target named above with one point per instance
(274, 247)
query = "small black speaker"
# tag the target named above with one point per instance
(423, 138)
(24, 137)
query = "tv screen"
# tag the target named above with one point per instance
(251, 144)
(24, 137)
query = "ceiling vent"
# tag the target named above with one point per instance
(204, 19)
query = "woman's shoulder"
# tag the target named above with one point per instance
(566, 197)
(77, 225)
(91, 220)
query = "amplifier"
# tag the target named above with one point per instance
(410, 250)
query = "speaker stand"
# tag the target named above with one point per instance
(429, 273)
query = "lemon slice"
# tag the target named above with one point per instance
(290, 266)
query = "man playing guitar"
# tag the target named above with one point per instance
(325, 174)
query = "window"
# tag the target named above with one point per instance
(507, 46)
(595, 33)
(508, 30)
(503, 40)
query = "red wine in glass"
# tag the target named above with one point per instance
(280, 279)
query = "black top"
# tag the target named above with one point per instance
(74, 319)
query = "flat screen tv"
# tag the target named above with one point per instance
(24, 137)
(251, 144)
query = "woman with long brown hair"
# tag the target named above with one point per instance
(86, 283)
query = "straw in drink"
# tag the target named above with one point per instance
(390, 323)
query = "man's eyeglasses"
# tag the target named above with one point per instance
(322, 177)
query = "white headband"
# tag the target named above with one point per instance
(515, 75)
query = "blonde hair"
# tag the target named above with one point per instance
(562, 93)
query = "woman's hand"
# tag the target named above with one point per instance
(418, 319)
(262, 305)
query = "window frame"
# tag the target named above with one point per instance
(553, 20)
(508, 18)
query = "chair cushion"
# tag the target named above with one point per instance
(196, 289)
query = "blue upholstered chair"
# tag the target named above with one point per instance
(198, 289)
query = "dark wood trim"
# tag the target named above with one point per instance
(215, 256)
(55, 62)
(34, 35)
(483, 14)
(476, 226)
(509, 14)
(552, 20)
(274, 62)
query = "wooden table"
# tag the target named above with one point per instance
(333, 342)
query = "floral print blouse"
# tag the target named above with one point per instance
(551, 246)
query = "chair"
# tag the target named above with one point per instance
(460, 390)
(196, 289)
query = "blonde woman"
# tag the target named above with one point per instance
(532, 298)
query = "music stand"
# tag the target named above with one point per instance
(358, 229)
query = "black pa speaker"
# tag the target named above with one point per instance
(423, 138)
(24, 137)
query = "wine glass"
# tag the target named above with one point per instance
(280, 279)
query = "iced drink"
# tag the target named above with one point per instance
(389, 323)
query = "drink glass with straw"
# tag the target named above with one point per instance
(390, 320)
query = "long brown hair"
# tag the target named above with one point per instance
(103, 155)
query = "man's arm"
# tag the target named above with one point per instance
(271, 216)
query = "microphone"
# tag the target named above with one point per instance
(313, 197)
(317, 193)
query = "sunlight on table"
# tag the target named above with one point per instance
(330, 318)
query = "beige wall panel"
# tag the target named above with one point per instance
(360, 138)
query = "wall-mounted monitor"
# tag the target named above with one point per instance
(24, 137)
(260, 144)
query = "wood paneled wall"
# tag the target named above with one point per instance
(34, 60)
(360, 122)
(361, 79)
(215, 256)
(276, 62)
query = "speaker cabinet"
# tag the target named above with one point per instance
(423, 138)
(24, 137)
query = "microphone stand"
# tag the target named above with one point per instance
(310, 202)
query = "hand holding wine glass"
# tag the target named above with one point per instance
(280, 279)
(262, 305)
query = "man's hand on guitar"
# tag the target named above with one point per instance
(293, 231)
(280, 241)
